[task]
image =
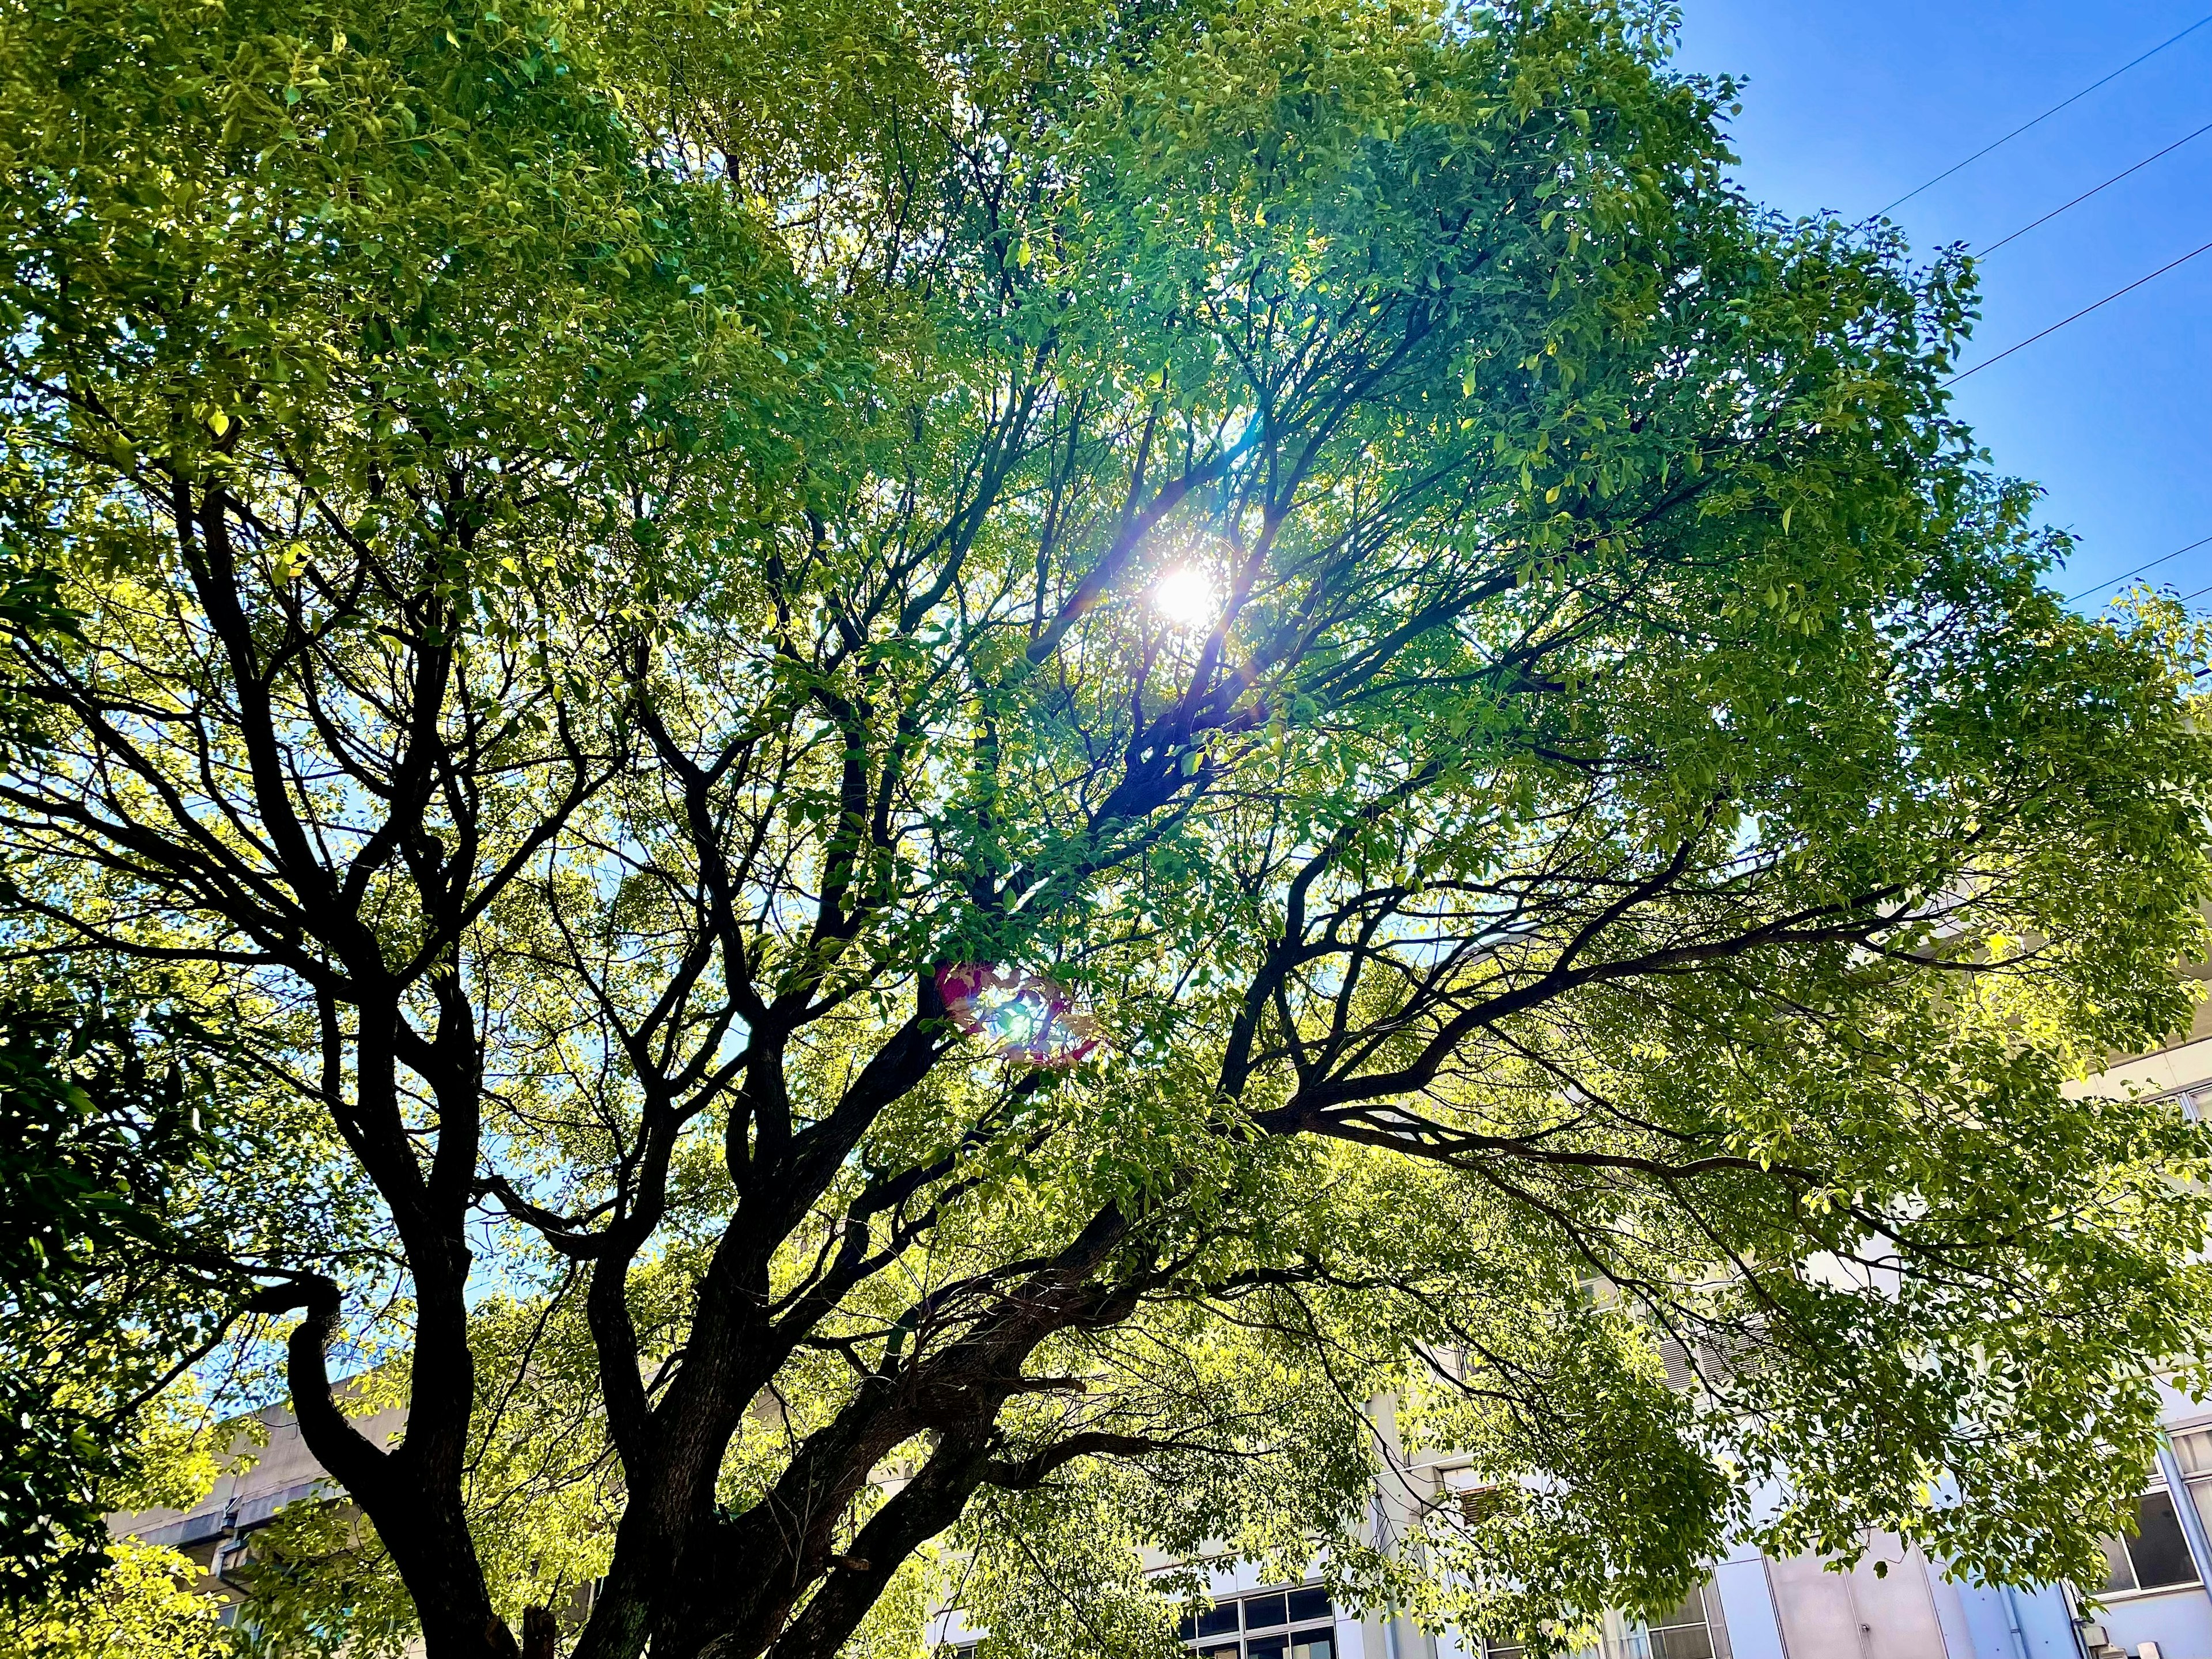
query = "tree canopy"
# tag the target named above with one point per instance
(932, 772)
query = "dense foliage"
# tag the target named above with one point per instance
(91, 1143)
(608, 560)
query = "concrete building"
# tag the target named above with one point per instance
(271, 1469)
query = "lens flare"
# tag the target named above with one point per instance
(1027, 1017)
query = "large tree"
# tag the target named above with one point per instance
(644, 589)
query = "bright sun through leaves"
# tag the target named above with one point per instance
(1184, 598)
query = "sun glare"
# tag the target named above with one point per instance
(1184, 598)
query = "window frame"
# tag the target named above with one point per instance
(1235, 1641)
(1625, 1635)
(2127, 1543)
(1715, 1631)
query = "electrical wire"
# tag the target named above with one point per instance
(2116, 293)
(1984, 253)
(2045, 116)
(2114, 582)
(2184, 599)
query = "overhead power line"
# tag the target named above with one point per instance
(2061, 104)
(2152, 564)
(2116, 293)
(1984, 253)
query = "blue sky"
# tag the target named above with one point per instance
(1851, 103)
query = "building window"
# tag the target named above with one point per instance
(1293, 1624)
(1693, 1630)
(2193, 1449)
(1686, 1633)
(2157, 1556)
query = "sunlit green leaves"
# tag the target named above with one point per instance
(571, 562)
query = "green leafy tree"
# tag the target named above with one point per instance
(124, 1230)
(633, 569)
(142, 1609)
(101, 1139)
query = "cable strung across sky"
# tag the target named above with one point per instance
(2046, 333)
(2039, 120)
(2064, 206)
(2152, 564)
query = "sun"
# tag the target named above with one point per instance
(1184, 598)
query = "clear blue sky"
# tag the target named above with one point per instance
(1851, 103)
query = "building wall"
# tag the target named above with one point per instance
(268, 1466)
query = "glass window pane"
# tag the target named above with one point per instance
(2118, 1574)
(1229, 1652)
(1682, 1642)
(1313, 1643)
(1188, 1629)
(2160, 1554)
(1691, 1611)
(1265, 1647)
(1216, 1621)
(2201, 1492)
(1265, 1613)
(1311, 1603)
(2193, 1449)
